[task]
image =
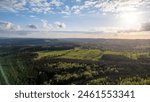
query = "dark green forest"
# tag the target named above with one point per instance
(74, 62)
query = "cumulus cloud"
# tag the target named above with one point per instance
(8, 29)
(56, 3)
(32, 26)
(8, 26)
(66, 10)
(59, 25)
(76, 9)
(49, 27)
(46, 26)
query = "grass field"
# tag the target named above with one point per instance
(77, 53)
(89, 54)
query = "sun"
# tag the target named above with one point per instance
(130, 19)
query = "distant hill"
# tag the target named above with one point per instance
(104, 44)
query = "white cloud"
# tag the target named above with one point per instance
(41, 10)
(6, 5)
(89, 3)
(78, 0)
(8, 26)
(59, 25)
(61, 6)
(119, 5)
(66, 10)
(76, 9)
(32, 16)
(56, 3)
(46, 26)
(19, 5)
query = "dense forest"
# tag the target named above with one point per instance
(74, 61)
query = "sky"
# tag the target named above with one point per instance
(121, 19)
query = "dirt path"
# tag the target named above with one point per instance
(3, 74)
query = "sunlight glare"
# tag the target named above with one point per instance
(130, 19)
